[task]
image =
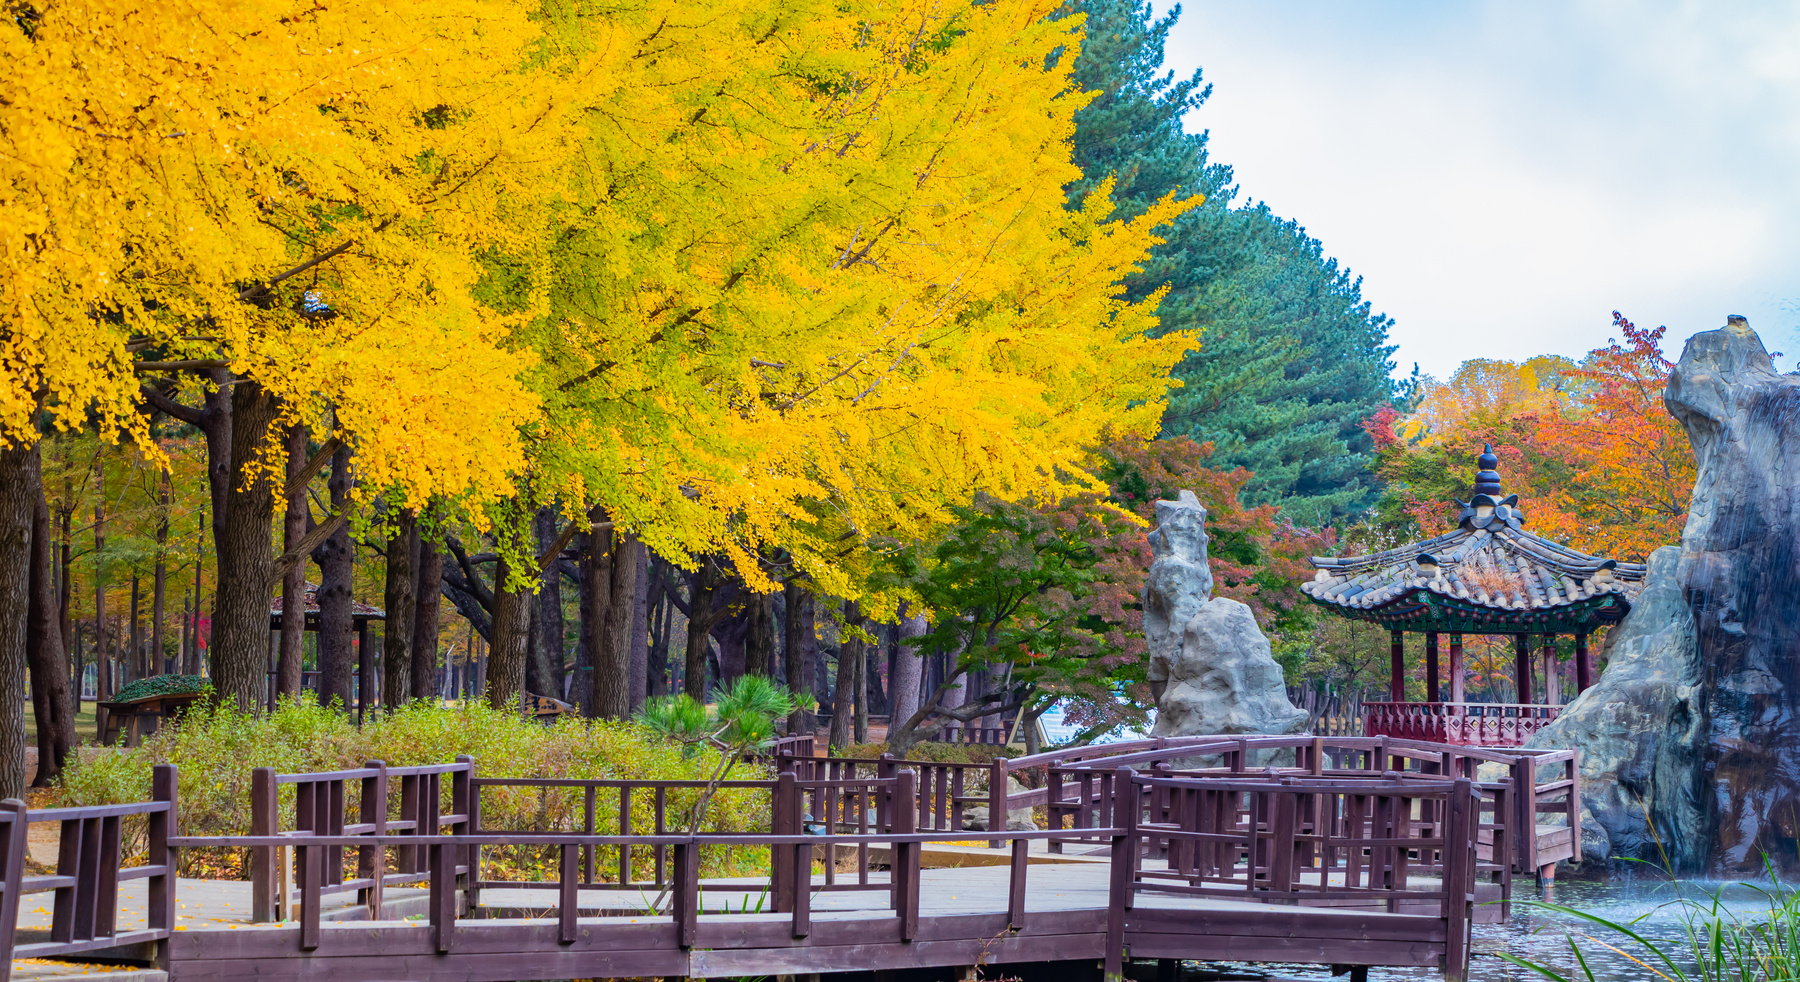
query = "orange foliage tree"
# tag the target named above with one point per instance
(1588, 446)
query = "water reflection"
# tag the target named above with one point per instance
(1543, 936)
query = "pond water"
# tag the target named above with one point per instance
(1543, 936)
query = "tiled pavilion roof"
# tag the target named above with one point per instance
(359, 611)
(1488, 576)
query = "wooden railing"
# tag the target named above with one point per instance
(387, 800)
(1370, 824)
(1523, 786)
(993, 736)
(89, 870)
(1396, 845)
(947, 790)
(1466, 724)
(1294, 841)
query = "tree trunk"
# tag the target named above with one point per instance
(18, 494)
(875, 668)
(545, 672)
(46, 657)
(243, 504)
(860, 718)
(759, 646)
(291, 656)
(508, 648)
(656, 678)
(425, 621)
(64, 580)
(606, 695)
(843, 695)
(159, 580)
(802, 653)
(612, 662)
(638, 654)
(700, 624)
(133, 667)
(909, 665)
(337, 567)
(399, 599)
(192, 666)
(592, 589)
(102, 657)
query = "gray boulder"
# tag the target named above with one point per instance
(1223, 678)
(1210, 666)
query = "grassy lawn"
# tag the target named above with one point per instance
(84, 725)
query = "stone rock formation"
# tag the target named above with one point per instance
(1210, 665)
(1638, 730)
(1709, 673)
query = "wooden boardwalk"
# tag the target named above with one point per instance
(963, 920)
(1346, 853)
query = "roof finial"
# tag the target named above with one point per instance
(1487, 480)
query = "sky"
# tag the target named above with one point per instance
(1504, 175)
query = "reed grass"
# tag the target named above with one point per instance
(1717, 942)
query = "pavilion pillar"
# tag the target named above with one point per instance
(365, 673)
(1584, 668)
(1456, 668)
(1431, 667)
(1397, 667)
(1552, 672)
(1522, 665)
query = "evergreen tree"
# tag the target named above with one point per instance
(1292, 359)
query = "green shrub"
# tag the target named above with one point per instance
(216, 749)
(937, 753)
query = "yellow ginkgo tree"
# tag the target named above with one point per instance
(249, 213)
(816, 281)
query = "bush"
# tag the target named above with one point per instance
(216, 748)
(937, 753)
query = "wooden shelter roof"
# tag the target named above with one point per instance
(1488, 576)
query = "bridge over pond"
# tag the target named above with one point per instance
(1335, 851)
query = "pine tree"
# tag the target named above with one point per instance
(1292, 359)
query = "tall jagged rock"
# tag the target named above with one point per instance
(1210, 665)
(1638, 730)
(1740, 574)
(1698, 715)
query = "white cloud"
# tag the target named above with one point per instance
(1504, 174)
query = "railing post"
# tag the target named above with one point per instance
(1015, 883)
(1053, 811)
(161, 888)
(440, 866)
(1524, 775)
(462, 802)
(312, 872)
(371, 861)
(262, 858)
(1459, 879)
(906, 866)
(686, 908)
(1575, 805)
(568, 906)
(17, 827)
(784, 819)
(1120, 892)
(998, 773)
